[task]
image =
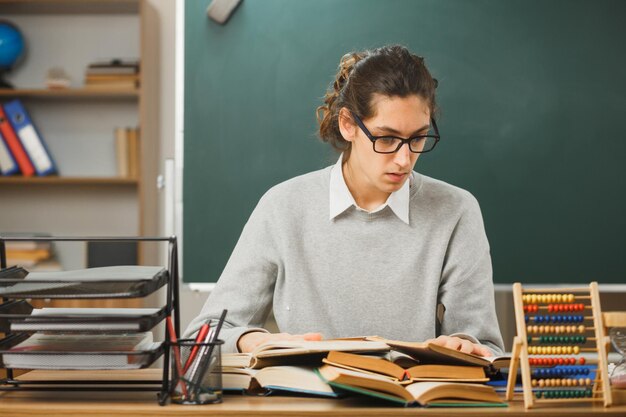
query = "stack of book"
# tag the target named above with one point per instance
(402, 373)
(36, 256)
(113, 75)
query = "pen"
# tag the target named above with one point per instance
(193, 368)
(207, 359)
(199, 339)
(174, 341)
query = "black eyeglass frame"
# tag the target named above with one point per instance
(373, 138)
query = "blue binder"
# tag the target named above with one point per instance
(31, 139)
(8, 165)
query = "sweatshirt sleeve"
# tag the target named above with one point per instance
(246, 285)
(466, 289)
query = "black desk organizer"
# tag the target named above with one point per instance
(15, 310)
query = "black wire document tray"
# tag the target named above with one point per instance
(126, 281)
(20, 316)
(82, 341)
(97, 352)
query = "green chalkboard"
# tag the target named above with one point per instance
(533, 119)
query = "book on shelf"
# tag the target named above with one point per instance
(8, 165)
(387, 368)
(30, 138)
(127, 81)
(104, 78)
(121, 152)
(26, 244)
(35, 255)
(133, 152)
(78, 351)
(425, 352)
(15, 145)
(276, 379)
(127, 152)
(298, 352)
(427, 393)
(115, 66)
(111, 85)
(112, 74)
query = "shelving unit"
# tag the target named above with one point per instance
(78, 123)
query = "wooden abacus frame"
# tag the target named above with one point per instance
(601, 390)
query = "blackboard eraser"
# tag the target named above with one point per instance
(221, 10)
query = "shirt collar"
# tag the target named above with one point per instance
(341, 199)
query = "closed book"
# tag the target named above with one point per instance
(133, 152)
(110, 77)
(111, 85)
(276, 380)
(121, 152)
(31, 139)
(15, 145)
(8, 165)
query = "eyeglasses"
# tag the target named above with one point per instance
(391, 144)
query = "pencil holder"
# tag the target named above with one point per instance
(196, 372)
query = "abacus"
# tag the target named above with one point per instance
(554, 328)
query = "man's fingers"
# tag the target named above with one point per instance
(466, 346)
(482, 350)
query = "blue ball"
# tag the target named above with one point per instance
(11, 45)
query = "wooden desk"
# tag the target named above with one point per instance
(65, 404)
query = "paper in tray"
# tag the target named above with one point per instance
(104, 282)
(64, 358)
(20, 316)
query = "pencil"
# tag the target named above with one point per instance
(174, 341)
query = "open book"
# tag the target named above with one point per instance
(381, 366)
(297, 379)
(432, 353)
(417, 393)
(298, 352)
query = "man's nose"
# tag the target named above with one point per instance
(403, 155)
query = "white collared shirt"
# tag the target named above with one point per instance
(341, 199)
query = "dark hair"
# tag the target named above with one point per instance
(392, 71)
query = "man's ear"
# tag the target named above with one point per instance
(347, 127)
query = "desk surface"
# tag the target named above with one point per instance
(66, 404)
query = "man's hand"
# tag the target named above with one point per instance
(249, 341)
(462, 345)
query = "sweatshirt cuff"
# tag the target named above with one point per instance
(466, 336)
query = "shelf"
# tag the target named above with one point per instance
(69, 181)
(70, 6)
(71, 93)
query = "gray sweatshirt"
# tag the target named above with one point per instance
(359, 273)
